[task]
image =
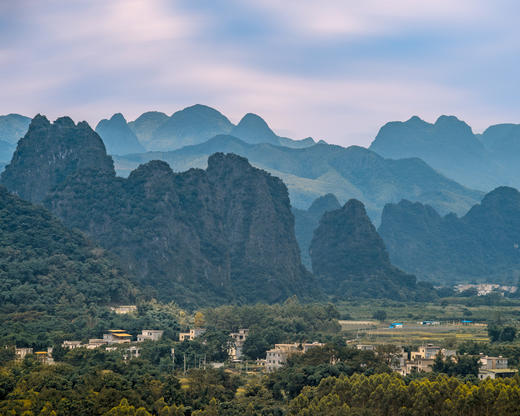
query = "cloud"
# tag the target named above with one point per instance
(335, 70)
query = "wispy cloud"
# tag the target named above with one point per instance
(334, 69)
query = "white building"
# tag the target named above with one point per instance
(277, 357)
(71, 344)
(150, 335)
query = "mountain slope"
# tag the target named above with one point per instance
(13, 127)
(481, 246)
(48, 153)
(145, 125)
(199, 237)
(119, 139)
(189, 126)
(306, 221)
(352, 172)
(220, 235)
(49, 273)
(6, 151)
(349, 257)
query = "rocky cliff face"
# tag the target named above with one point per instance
(482, 245)
(203, 236)
(223, 234)
(49, 153)
(119, 139)
(349, 257)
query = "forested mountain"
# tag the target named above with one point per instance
(219, 235)
(119, 139)
(49, 273)
(449, 145)
(306, 221)
(309, 173)
(349, 258)
(48, 153)
(483, 245)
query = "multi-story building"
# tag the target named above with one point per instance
(21, 353)
(117, 336)
(492, 363)
(150, 335)
(277, 357)
(235, 350)
(71, 344)
(428, 351)
(191, 335)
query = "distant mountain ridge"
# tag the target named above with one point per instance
(306, 221)
(483, 245)
(12, 128)
(449, 145)
(194, 125)
(311, 172)
(119, 139)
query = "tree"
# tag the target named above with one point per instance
(380, 315)
(199, 320)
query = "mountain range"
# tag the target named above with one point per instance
(224, 234)
(353, 172)
(479, 161)
(481, 246)
(197, 124)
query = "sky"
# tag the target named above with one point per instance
(331, 69)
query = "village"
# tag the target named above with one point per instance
(401, 361)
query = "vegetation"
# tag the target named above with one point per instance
(350, 259)
(52, 280)
(389, 394)
(481, 246)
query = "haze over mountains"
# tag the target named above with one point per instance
(224, 234)
(65, 166)
(348, 256)
(479, 161)
(481, 246)
(353, 172)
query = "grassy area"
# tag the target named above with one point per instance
(360, 325)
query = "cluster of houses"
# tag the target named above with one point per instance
(422, 360)
(275, 357)
(110, 340)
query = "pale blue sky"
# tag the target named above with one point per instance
(332, 69)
